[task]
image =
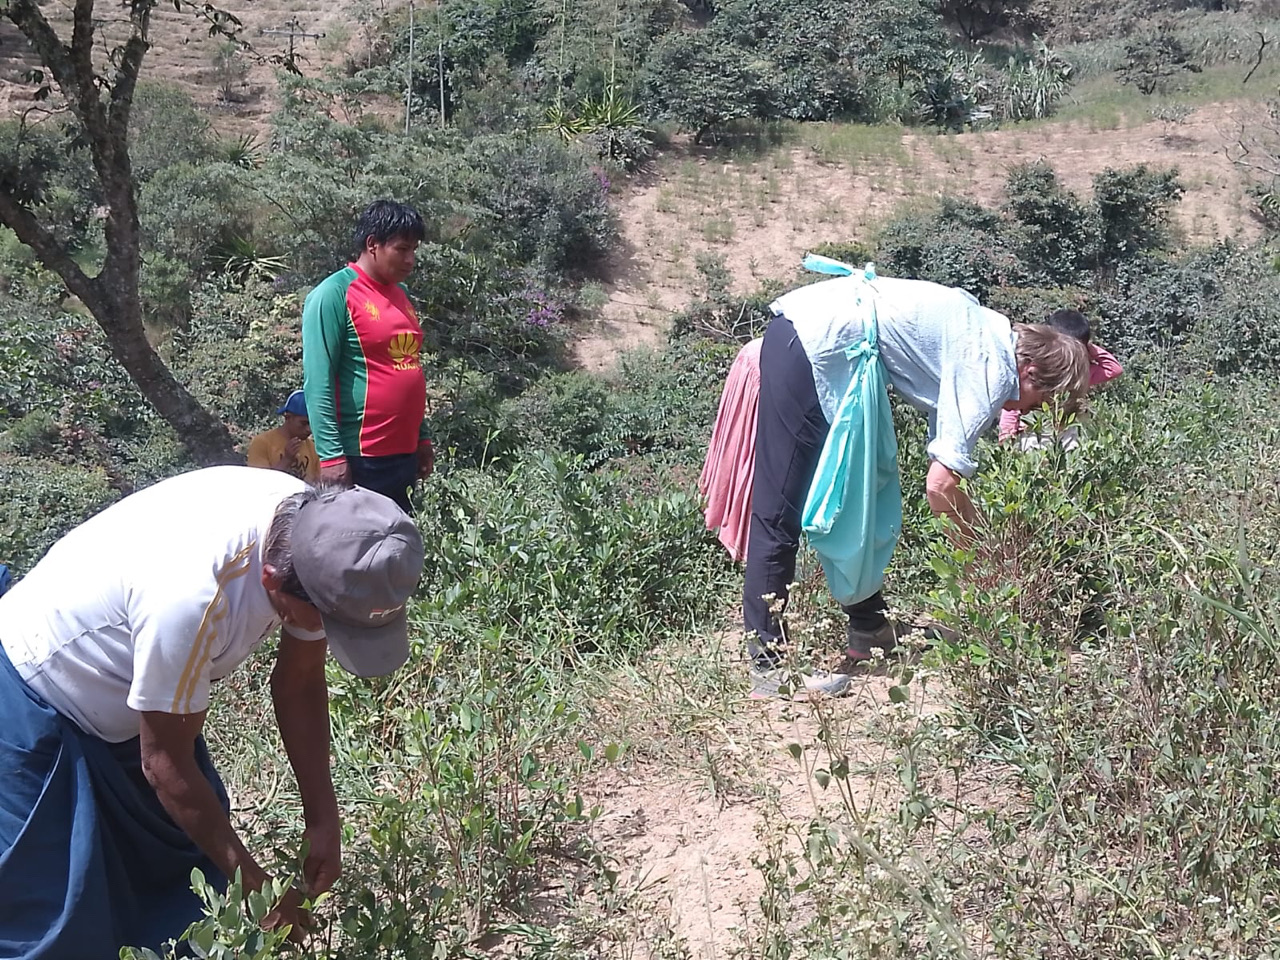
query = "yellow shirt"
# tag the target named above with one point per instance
(266, 448)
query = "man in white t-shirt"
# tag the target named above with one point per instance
(108, 648)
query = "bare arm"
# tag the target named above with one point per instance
(169, 763)
(946, 499)
(301, 700)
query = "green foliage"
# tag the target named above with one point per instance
(166, 128)
(1034, 84)
(1133, 209)
(231, 928)
(1055, 236)
(566, 412)
(1046, 236)
(43, 167)
(192, 216)
(961, 245)
(906, 42)
(241, 354)
(541, 197)
(43, 500)
(981, 18)
(610, 124)
(811, 52)
(1153, 58)
(1244, 325)
(702, 82)
(552, 550)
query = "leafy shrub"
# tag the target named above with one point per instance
(43, 500)
(701, 82)
(542, 197)
(242, 354)
(564, 412)
(1035, 304)
(1153, 58)
(1133, 210)
(483, 317)
(980, 18)
(552, 550)
(1056, 235)
(165, 127)
(1242, 327)
(961, 245)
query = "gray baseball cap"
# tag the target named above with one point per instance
(359, 557)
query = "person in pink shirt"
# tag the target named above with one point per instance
(1102, 365)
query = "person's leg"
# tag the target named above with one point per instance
(790, 430)
(867, 615)
(393, 476)
(868, 629)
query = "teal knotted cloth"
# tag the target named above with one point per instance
(853, 514)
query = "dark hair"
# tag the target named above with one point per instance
(1071, 322)
(384, 220)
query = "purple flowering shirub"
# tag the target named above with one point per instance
(544, 310)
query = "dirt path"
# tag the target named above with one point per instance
(761, 214)
(685, 846)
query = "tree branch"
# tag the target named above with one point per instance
(52, 254)
(127, 71)
(64, 62)
(1263, 40)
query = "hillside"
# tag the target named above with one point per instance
(1076, 762)
(184, 55)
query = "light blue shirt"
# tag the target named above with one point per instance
(949, 356)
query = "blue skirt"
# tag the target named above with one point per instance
(89, 859)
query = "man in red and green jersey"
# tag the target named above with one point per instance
(365, 392)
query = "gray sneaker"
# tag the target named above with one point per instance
(769, 682)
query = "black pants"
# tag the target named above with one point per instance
(392, 476)
(790, 432)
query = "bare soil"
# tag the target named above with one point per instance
(761, 214)
(685, 845)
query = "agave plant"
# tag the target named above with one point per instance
(609, 123)
(241, 260)
(244, 152)
(561, 120)
(611, 110)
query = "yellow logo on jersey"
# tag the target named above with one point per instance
(371, 308)
(404, 349)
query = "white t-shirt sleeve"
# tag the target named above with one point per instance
(180, 620)
(173, 638)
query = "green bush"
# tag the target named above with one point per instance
(542, 198)
(962, 245)
(242, 353)
(552, 550)
(1133, 207)
(165, 128)
(42, 501)
(567, 412)
(1055, 235)
(702, 83)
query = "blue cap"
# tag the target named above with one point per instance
(297, 404)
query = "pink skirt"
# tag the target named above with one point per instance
(731, 456)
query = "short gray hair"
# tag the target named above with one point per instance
(278, 549)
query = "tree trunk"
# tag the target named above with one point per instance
(204, 435)
(102, 111)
